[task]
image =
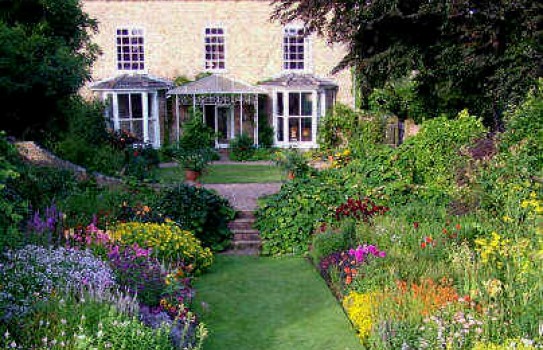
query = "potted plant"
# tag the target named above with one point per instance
(293, 162)
(193, 161)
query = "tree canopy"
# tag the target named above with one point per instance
(45, 56)
(479, 54)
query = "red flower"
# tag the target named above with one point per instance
(458, 227)
(429, 240)
(445, 231)
(416, 225)
(423, 245)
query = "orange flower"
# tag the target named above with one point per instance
(458, 227)
(348, 280)
(423, 245)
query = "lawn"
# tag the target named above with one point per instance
(227, 173)
(270, 303)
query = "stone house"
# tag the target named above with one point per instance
(257, 71)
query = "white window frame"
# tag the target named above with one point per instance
(286, 118)
(130, 35)
(218, 60)
(286, 60)
(149, 115)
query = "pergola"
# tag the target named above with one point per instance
(218, 91)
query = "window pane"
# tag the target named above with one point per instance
(293, 129)
(137, 129)
(124, 109)
(306, 129)
(280, 129)
(137, 110)
(307, 103)
(294, 103)
(130, 42)
(280, 103)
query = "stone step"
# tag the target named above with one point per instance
(241, 224)
(245, 214)
(242, 245)
(247, 251)
(246, 236)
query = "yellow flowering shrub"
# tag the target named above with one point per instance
(498, 251)
(359, 307)
(521, 344)
(167, 241)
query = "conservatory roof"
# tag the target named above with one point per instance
(132, 82)
(293, 80)
(216, 84)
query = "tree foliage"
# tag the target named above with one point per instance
(46, 53)
(475, 54)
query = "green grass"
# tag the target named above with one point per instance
(227, 173)
(270, 304)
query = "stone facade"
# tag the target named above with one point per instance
(174, 40)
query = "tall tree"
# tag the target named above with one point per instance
(479, 54)
(45, 57)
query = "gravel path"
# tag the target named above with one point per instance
(243, 197)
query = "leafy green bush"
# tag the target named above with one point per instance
(142, 161)
(198, 210)
(398, 98)
(265, 131)
(432, 156)
(196, 135)
(87, 141)
(242, 148)
(346, 128)
(40, 186)
(11, 205)
(287, 218)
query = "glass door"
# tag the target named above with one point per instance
(223, 126)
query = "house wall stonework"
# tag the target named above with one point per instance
(174, 40)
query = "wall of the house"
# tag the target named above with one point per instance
(174, 39)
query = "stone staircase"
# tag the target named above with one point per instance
(246, 240)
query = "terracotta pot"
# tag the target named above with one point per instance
(191, 175)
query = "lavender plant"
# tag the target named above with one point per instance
(35, 273)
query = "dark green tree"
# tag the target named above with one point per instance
(479, 54)
(45, 56)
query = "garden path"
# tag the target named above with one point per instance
(244, 197)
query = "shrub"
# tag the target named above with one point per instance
(142, 161)
(167, 241)
(287, 218)
(431, 157)
(40, 186)
(242, 148)
(200, 211)
(196, 135)
(11, 207)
